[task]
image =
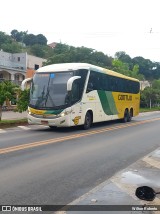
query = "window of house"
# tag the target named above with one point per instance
(36, 66)
(1, 76)
(19, 59)
(17, 77)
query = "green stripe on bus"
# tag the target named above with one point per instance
(53, 111)
(111, 102)
(107, 102)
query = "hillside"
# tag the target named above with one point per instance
(137, 67)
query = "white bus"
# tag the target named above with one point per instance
(71, 94)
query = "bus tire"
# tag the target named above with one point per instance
(130, 115)
(126, 116)
(87, 121)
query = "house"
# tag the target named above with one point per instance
(14, 66)
(52, 45)
(144, 84)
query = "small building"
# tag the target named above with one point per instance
(52, 45)
(14, 66)
(144, 84)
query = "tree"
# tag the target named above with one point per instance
(61, 48)
(146, 66)
(14, 34)
(63, 53)
(156, 84)
(4, 39)
(123, 57)
(18, 36)
(41, 39)
(100, 59)
(120, 67)
(7, 90)
(38, 50)
(123, 68)
(150, 97)
(30, 39)
(23, 100)
(12, 47)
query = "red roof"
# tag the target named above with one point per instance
(52, 45)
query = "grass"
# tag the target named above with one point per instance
(149, 109)
(12, 123)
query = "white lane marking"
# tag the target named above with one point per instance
(152, 162)
(2, 131)
(24, 127)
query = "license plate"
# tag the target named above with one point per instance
(44, 122)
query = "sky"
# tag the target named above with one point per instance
(109, 26)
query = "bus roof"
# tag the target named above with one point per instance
(76, 66)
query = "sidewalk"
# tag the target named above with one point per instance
(117, 195)
(11, 115)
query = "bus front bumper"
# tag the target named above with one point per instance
(58, 122)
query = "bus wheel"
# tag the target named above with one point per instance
(130, 115)
(126, 116)
(87, 121)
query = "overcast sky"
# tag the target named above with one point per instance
(109, 26)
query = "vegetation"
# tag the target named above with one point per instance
(23, 100)
(150, 96)
(147, 69)
(7, 90)
(22, 41)
(11, 123)
(138, 67)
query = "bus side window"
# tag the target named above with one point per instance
(89, 87)
(76, 95)
(91, 84)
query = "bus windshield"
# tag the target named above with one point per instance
(49, 90)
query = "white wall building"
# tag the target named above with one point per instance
(144, 84)
(13, 67)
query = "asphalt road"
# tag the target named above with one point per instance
(43, 166)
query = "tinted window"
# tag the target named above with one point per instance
(100, 81)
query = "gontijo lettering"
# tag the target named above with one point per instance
(124, 97)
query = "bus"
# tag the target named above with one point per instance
(72, 94)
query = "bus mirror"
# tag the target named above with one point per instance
(70, 82)
(24, 83)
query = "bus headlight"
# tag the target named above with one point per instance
(62, 114)
(65, 113)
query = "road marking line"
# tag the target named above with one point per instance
(152, 162)
(70, 137)
(24, 127)
(2, 131)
